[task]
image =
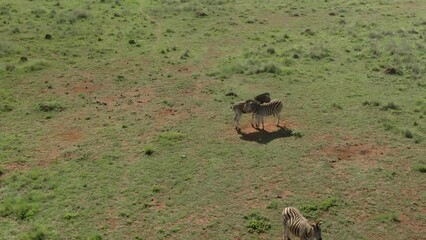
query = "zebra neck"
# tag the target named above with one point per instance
(309, 233)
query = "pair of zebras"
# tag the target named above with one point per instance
(261, 107)
(293, 220)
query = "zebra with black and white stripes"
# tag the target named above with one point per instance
(295, 223)
(260, 110)
(238, 108)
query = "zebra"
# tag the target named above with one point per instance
(261, 110)
(295, 223)
(263, 98)
(238, 108)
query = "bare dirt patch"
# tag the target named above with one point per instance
(84, 87)
(352, 151)
(54, 144)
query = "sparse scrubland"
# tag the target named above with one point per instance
(115, 121)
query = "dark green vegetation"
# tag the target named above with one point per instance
(115, 124)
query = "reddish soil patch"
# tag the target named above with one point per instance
(59, 139)
(158, 205)
(12, 167)
(111, 220)
(360, 153)
(411, 223)
(84, 87)
(167, 111)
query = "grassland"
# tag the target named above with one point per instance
(115, 124)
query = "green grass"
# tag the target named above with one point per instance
(119, 127)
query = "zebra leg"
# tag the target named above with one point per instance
(263, 123)
(237, 121)
(285, 232)
(252, 120)
(278, 120)
(258, 121)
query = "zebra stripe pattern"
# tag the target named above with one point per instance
(295, 223)
(261, 110)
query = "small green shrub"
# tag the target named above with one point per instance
(297, 134)
(69, 216)
(257, 223)
(388, 218)
(156, 189)
(10, 67)
(185, 54)
(420, 168)
(96, 236)
(149, 150)
(119, 78)
(50, 107)
(390, 105)
(6, 49)
(319, 52)
(36, 233)
(373, 103)
(168, 103)
(273, 205)
(336, 106)
(36, 65)
(408, 134)
(78, 14)
(170, 137)
(21, 208)
(270, 50)
(6, 108)
(313, 209)
(38, 11)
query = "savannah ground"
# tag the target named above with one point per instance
(118, 126)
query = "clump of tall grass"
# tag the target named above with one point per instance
(257, 223)
(170, 137)
(252, 67)
(23, 208)
(7, 48)
(390, 106)
(319, 52)
(50, 107)
(420, 168)
(37, 232)
(36, 65)
(149, 150)
(73, 16)
(313, 209)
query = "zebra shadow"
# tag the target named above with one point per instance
(264, 137)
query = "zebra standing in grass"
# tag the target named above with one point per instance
(295, 223)
(238, 108)
(260, 110)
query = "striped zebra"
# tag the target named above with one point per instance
(238, 108)
(260, 110)
(295, 223)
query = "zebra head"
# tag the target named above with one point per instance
(316, 230)
(249, 105)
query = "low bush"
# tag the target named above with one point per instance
(257, 223)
